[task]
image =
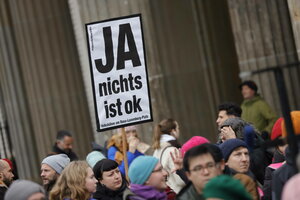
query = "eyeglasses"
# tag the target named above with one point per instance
(158, 170)
(209, 167)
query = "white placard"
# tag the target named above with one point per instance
(119, 72)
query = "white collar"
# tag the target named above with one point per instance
(166, 138)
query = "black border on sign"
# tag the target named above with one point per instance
(92, 77)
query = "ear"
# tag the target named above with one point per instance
(1, 176)
(188, 175)
(222, 164)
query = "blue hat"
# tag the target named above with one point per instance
(141, 168)
(93, 157)
(230, 145)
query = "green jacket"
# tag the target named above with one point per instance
(189, 193)
(259, 113)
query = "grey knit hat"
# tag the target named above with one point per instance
(57, 162)
(22, 189)
(237, 125)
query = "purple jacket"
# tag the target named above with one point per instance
(141, 192)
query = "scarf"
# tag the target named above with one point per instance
(148, 192)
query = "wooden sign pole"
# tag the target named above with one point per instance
(124, 139)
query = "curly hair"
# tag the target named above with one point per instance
(71, 182)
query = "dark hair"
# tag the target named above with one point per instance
(104, 165)
(202, 149)
(250, 84)
(231, 109)
(62, 134)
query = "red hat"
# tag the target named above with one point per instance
(277, 130)
(194, 141)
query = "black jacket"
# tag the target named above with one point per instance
(283, 174)
(104, 193)
(70, 154)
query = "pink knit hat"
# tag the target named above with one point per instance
(194, 141)
(291, 189)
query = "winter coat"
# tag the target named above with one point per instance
(3, 189)
(143, 192)
(163, 154)
(259, 113)
(104, 193)
(267, 187)
(283, 174)
(189, 193)
(112, 151)
(72, 155)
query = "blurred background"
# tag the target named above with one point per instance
(195, 50)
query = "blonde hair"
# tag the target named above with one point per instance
(71, 182)
(164, 127)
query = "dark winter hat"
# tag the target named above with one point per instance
(250, 84)
(230, 145)
(226, 188)
(104, 165)
(57, 162)
(22, 189)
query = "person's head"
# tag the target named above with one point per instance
(228, 110)
(25, 190)
(276, 134)
(291, 188)
(237, 125)
(202, 163)
(249, 184)
(166, 126)
(225, 187)
(146, 170)
(6, 175)
(64, 140)
(131, 131)
(108, 174)
(236, 155)
(93, 157)
(248, 89)
(51, 168)
(192, 142)
(77, 181)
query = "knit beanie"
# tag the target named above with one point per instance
(226, 188)
(295, 116)
(104, 165)
(277, 129)
(250, 84)
(141, 168)
(291, 188)
(93, 157)
(22, 189)
(230, 145)
(194, 141)
(57, 162)
(237, 125)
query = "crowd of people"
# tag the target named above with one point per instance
(250, 160)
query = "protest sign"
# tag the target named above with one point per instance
(119, 72)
